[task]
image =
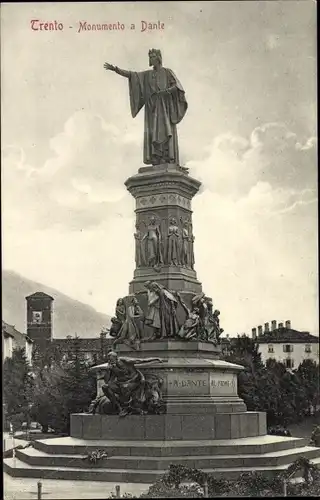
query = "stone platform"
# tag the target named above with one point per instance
(144, 461)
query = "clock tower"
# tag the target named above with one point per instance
(39, 319)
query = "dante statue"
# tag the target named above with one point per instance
(163, 97)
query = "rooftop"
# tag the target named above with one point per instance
(39, 295)
(85, 344)
(11, 331)
(287, 335)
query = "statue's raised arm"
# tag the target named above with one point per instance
(161, 94)
(121, 72)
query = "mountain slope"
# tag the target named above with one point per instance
(69, 316)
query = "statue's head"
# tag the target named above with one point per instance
(134, 300)
(216, 312)
(152, 220)
(155, 57)
(196, 310)
(120, 302)
(112, 358)
(147, 285)
(186, 223)
(155, 286)
(173, 221)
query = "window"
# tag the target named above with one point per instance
(287, 348)
(289, 363)
(36, 317)
(270, 348)
(307, 348)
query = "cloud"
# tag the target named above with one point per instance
(81, 184)
(272, 155)
(255, 219)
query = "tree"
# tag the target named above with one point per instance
(63, 388)
(284, 395)
(308, 373)
(244, 351)
(17, 388)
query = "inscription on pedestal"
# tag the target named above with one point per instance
(196, 384)
(224, 384)
(201, 384)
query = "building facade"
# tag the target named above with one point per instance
(13, 339)
(283, 343)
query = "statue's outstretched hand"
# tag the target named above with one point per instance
(109, 67)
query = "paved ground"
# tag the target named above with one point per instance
(16, 488)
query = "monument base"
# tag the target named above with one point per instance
(145, 461)
(206, 426)
(168, 427)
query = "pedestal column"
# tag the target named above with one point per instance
(163, 197)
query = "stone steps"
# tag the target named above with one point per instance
(36, 457)
(145, 461)
(177, 448)
(21, 469)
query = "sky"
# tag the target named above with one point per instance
(69, 143)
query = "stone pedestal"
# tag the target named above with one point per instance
(195, 381)
(165, 192)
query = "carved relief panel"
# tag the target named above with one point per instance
(164, 238)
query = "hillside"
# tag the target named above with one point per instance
(70, 316)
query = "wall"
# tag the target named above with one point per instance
(7, 347)
(298, 354)
(28, 348)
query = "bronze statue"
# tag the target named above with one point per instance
(163, 97)
(138, 241)
(153, 394)
(192, 251)
(185, 253)
(173, 257)
(190, 330)
(131, 329)
(124, 383)
(162, 311)
(152, 239)
(153, 315)
(118, 320)
(214, 330)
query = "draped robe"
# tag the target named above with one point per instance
(162, 113)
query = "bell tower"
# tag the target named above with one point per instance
(39, 319)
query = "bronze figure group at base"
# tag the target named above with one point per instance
(202, 322)
(126, 389)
